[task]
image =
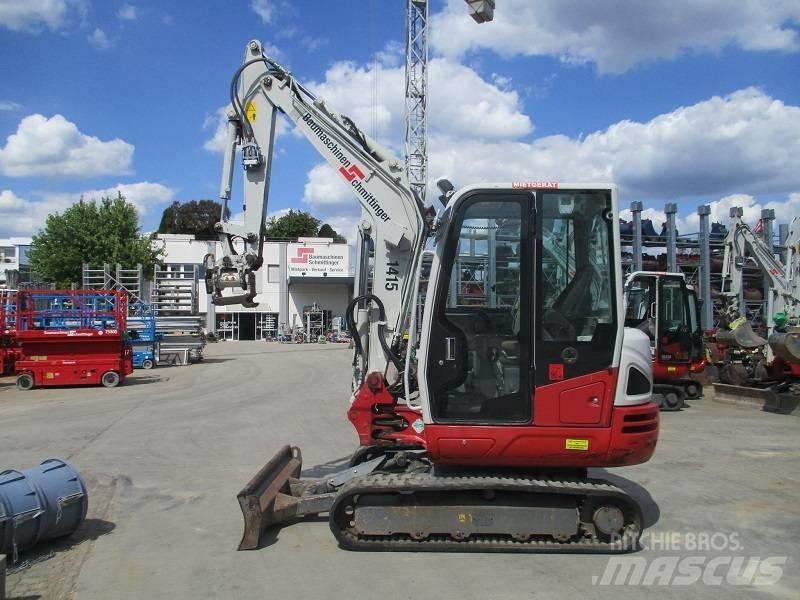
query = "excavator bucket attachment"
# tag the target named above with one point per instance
(786, 345)
(263, 499)
(742, 337)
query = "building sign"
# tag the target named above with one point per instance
(319, 260)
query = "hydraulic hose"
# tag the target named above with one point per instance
(352, 326)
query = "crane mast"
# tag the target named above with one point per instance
(392, 219)
(417, 95)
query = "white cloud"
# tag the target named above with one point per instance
(751, 207)
(324, 189)
(145, 195)
(127, 12)
(731, 147)
(468, 105)
(263, 8)
(8, 105)
(55, 147)
(746, 142)
(99, 39)
(34, 15)
(617, 34)
(21, 216)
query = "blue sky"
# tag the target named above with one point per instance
(680, 101)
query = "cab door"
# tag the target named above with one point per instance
(478, 364)
(673, 334)
(697, 350)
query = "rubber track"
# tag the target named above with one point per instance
(404, 482)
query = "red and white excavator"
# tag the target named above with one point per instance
(476, 434)
(664, 307)
(744, 358)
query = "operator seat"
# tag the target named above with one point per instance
(572, 303)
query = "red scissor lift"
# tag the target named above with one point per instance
(71, 337)
(8, 344)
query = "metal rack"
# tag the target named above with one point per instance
(313, 322)
(127, 280)
(698, 256)
(174, 290)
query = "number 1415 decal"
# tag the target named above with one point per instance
(392, 279)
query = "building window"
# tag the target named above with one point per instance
(273, 274)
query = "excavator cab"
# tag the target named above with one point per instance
(524, 299)
(664, 307)
(674, 335)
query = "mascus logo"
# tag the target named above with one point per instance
(302, 256)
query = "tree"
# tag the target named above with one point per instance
(196, 217)
(292, 225)
(93, 233)
(326, 231)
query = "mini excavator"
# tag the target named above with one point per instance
(477, 425)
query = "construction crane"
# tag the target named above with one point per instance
(416, 96)
(744, 357)
(477, 436)
(667, 309)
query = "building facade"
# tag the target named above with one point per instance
(13, 256)
(302, 286)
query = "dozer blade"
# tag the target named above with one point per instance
(277, 494)
(259, 499)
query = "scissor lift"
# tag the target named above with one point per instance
(72, 337)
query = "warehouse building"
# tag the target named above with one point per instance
(305, 285)
(13, 257)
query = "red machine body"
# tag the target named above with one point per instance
(9, 352)
(576, 425)
(72, 337)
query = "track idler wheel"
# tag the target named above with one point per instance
(672, 400)
(693, 390)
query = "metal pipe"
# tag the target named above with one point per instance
(768, 233)
(707, 310)
(636, 214)
(672, 253)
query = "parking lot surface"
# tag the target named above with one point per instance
(165, 454)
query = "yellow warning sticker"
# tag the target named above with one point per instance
(576, 444)
(250, 111)
(49, 375)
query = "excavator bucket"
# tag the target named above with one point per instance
(277, 494)
(786, 345)
(743, 337)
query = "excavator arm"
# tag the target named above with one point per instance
(393, 223)
(743, 245)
